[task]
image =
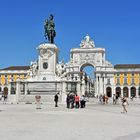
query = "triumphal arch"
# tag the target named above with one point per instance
(90, 55)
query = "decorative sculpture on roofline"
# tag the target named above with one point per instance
(49, 29)
(87, 42)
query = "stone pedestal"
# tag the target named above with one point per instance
(47, 61)
(43, 80)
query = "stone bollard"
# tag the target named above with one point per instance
(38, 104)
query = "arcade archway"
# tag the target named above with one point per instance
(125, 92)
(133, 92)
(109, 91)
(118, 91)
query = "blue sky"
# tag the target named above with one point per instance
(112, 24)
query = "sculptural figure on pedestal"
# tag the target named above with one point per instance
(33, 69)
(49, 29)
(60, 69)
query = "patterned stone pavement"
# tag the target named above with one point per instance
(98, 122)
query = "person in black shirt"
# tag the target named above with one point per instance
(56, 97)
(68, 101)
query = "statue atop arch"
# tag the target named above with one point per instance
(49, 29)
(87, 42)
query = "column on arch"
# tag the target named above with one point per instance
(97, 85)
(64, 84)
(101, 84)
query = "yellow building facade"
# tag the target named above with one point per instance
(12, 74)
(127, 80)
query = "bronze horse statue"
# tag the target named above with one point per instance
(49, 29)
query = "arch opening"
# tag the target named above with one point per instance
(88, 75)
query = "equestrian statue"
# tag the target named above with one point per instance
(49, 29)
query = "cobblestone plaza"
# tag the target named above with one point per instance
(98, 122)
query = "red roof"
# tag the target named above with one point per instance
(17, 68)
(127, 66)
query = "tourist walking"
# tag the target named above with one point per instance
(5, 97)
(71, 100)
(82, 101)
(77, 99)
(114, 99)
(117, 98)
(101, 98)
(1, 96)
(124, 104)
(56, 99)
(106, 99)
(68, 101)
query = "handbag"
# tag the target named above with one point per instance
(124, 103)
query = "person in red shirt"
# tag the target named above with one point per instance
(77, 99)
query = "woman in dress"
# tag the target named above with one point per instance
(124, 104)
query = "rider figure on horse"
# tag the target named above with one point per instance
(49, 29)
